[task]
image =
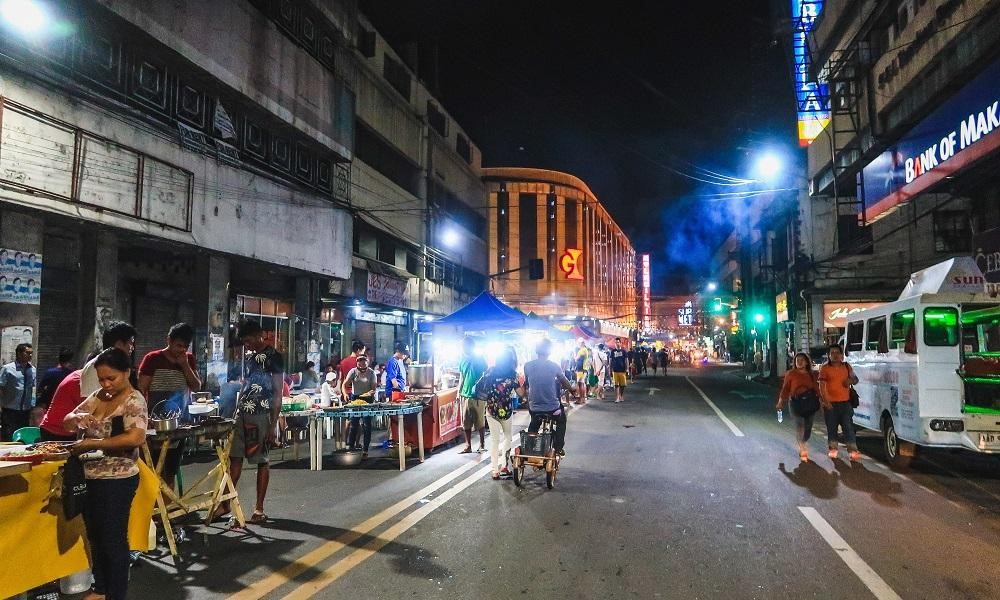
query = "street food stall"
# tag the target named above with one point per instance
(37, 543)
(495, 325)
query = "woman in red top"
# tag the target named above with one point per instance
(799, 381)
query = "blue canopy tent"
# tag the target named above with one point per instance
(484, 314)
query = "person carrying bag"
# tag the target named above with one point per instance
(801, 391)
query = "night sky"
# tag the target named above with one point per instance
(622, 95)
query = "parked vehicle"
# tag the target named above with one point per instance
(929, 364)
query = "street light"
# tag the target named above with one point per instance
(450, 237)
(768, 167)
(712, 286)
(27, 16)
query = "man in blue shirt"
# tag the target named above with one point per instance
(51, 379)
(17, 382)
(542, 380)
(395, 371)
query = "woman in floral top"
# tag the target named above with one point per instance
(501, 380)
(112, 480)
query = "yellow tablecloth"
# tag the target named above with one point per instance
(38, 544)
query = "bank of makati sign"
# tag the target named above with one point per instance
(962, 130)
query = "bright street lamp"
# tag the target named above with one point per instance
(712, 286)
(27, 16)
(450, 238)
(768, 167)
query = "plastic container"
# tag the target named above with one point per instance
(77, 583)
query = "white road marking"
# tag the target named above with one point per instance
(732, 426)
(878, 587)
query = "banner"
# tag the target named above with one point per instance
(20, 276)
(386, 290)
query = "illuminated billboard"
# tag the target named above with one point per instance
(811, 98)
(571, 264)
(646, 303)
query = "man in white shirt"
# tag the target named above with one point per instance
(119, 334)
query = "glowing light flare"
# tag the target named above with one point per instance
(27, 16)
(450, 237)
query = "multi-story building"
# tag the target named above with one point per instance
(589, 263)
(157, 167)
(904, 173)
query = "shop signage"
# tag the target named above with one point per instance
(961, 131)
(811, 98)
(386, 290)
(835, 314)
(685, 315)
(987, 245)
(20, 276)
(781, 307)
(646, 303)
(364, 315)
(570, 264)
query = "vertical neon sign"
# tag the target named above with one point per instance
(811, 98)
(646, 304)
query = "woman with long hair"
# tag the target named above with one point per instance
(799, 380)
(501, 381)
(112, 420)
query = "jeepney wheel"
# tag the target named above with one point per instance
(897, 452)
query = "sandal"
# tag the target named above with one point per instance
(467, 450)
(496, 476)
(855, 456)
(804, 456)
(257, 518)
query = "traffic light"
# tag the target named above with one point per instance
(758, 317)
(536, 268)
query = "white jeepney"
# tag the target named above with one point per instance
(929, 363)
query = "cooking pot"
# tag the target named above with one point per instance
(165, 425)
(420, 376)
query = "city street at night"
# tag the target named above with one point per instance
(671, 494)
(296, 297)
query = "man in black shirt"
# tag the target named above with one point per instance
(619, 367)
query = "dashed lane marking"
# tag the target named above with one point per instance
(732, 426)
(852, 559)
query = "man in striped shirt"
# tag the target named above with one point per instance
(166, 378)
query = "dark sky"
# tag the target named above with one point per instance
(622, 95)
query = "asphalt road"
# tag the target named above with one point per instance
(668, 495)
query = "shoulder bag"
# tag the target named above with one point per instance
(74, 487)
(853, 397)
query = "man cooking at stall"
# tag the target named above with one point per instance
(360, 384)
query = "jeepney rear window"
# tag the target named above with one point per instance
(855, 336)
(904, 331)
(941, 326)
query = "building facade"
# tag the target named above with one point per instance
(287, 167)
(589, 263)
(904, 173)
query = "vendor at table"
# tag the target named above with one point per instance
(167, 377)
(395, 371)
(113, 420)
(362, 382)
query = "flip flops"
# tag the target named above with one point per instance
(257, 518)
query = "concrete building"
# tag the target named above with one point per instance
(589, 263)
(904, 174)
(284, 167)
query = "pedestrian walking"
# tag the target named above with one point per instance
(581, 359)
(800, 381)
(619, 363)
(17, 391)
(501, 382)
(470, 369)
(653, 362)
(259, 404)
(600, 371)
(835, 381)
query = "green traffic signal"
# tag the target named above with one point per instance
(758, 317)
